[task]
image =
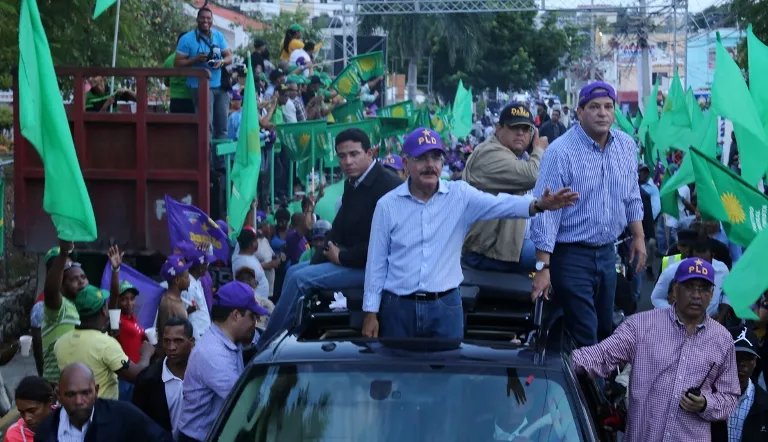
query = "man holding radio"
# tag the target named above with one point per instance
(206, 47)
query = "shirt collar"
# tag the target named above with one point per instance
(673, 317)
(167, 375)
(589, 141)
(749, 394)
(364, 175)
(405, 190)
(223, 338)
(67, 424)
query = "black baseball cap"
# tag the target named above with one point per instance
(515, 113)
(275, 74)
(744, 339)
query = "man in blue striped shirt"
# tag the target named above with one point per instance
(414, 255)
(575, 245)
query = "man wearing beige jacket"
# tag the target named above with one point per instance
(502, 164)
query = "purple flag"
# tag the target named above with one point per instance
(207, 282)
(188, 223)
(150, 292)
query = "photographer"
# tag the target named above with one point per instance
(206, 47)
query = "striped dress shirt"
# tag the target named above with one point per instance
(67, 432)
(666, 361)
(606, 180)
(213, 369)
(416, 246)
(736, 421)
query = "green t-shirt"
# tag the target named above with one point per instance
(178, 85)
(277, 116)
(56, 323)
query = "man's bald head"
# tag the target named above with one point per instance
(77, 392)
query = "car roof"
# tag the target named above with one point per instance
(288, 349)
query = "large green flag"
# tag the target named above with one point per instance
(731, 99)
(623, 123)
(748, 278)
(370, 65)
(394, 126)
(101, 6)
(461, 123)
(349, 112)
(347, 83)
(43, 122)
(694, 110)
(326, 206)
(724, 196)
(646, 133)
(758, 81)
(674, 128)
(301, 138)
(705, 139)
(422, 118)
(245, 172)
(403, 109)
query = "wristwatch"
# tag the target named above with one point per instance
(541, 265)
(537, 207)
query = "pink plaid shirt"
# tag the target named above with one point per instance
(666, 361)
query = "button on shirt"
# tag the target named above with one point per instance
(666, 361)
(213, 368)
(660, 291)
(736, 421)
(68, 432)
(606, 180)
(174, 397)
(416, 246)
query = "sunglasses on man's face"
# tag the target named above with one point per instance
(69, 265)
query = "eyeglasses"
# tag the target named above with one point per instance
(69, 265)
(435, 157)
(523, 128)
(704, 289)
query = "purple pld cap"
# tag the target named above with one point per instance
(393, 162)
(238, 295)
(594, 90)
(695, 268)
(174, 266)
(420, 141)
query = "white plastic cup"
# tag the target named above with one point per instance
(114, 319)
(26, 343)
(151, 335)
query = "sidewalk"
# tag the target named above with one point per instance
(17, 369)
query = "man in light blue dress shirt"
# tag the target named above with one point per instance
(601, 165)
(414, 255)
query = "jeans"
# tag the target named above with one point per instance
(409, 318)
(300, 280)
(218, 111)
(584, 281)
(526, 264)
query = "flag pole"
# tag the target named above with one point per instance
(114, 52)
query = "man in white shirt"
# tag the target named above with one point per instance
(248, 243)
(289, 108)
(158, 391)
(194, 296)
(701, 249)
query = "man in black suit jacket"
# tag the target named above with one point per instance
(748, 423)
(101, 420)
(347, 248)
(158, 389)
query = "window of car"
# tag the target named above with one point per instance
(332, 401)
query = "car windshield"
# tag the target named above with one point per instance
(403, 403)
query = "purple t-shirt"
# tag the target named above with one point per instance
(295, 245)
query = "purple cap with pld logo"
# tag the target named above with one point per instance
(173, 267)
(594, 90)
(238, 295)
(420, 141)
(695, 268)
(393, 162)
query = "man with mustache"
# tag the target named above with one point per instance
(414, 255)
(575, 245)
(683, 362)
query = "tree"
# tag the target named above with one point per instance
(274, 31)
(409, 37)
(78, 40)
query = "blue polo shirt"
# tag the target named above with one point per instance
(193, 43)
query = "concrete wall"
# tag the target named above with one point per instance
(15, 305)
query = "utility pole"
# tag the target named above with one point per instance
(645, 64)
(593, 42)
(674, 36)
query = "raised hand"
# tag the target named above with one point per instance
(556, 201)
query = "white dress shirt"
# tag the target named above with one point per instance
(174, 396)
(659, 295)
(289, 112)
(68, 432)
(200, 319)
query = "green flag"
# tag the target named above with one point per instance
(705, 140)
(394, 126)
(647, 131)
(726, 197)
(669, 198)
(731, 99)
(245, 172)
(623, 123)
(370, 126)
(300, 138)
(101, 6)
(694, 110)
(461, 123)
(43, 122)
(748, 278)
(757, 53)
(347, 83)
(349, 112)
(422, 118)
(403, 109)
(674, 128)
(369, 65)
(326, 206)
